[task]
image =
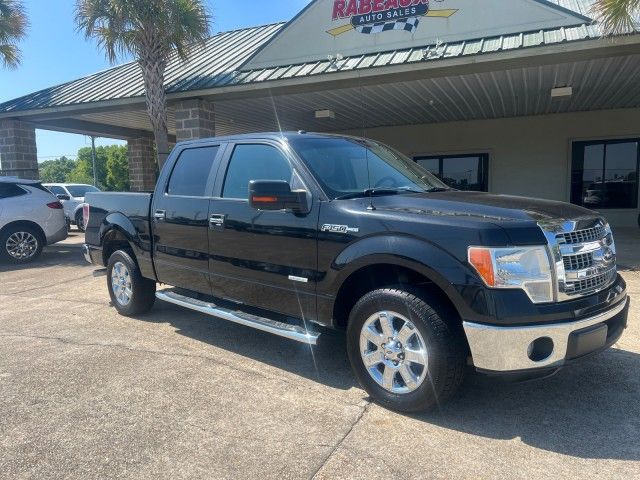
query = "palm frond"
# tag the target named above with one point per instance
(13, 28)
(617, 16)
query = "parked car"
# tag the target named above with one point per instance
(30, 218)
(72, 197)
(283, 232)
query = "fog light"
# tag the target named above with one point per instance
(540, 349)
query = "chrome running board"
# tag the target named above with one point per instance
(292, 332)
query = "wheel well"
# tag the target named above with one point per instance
(115, 240)
(26, 223)
(374, 277)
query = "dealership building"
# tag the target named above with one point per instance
(520, 97)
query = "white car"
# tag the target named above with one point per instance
(72, 197)
(30, 218)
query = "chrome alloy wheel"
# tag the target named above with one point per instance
(22, 245)
(121, 283)
(393, 351)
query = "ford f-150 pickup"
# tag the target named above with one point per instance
(293, 233)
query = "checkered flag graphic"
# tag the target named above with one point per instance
(407, 24)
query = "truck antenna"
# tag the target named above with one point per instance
(371, 207)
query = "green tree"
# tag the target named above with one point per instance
(83, 171)
(56, 171)
(618, 16)
(112, 168)
(151, 31)
(13, 28)
(117, 168)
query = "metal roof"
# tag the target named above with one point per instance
(208, 66)
(219, 63)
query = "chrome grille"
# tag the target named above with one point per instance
(582, 236)
(578, 262)
(589, 285)
(584, 255)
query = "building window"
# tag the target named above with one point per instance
(605, 174)
(463, 172)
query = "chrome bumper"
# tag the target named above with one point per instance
(506, 349)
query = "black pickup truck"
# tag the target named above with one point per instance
(291, 233)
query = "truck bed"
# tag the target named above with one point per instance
(134, 206)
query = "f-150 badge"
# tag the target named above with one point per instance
(338, 228)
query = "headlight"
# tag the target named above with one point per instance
(527, 268)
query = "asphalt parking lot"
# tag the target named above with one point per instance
(85, 393)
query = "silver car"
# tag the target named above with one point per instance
(72, 197)
(30, 218)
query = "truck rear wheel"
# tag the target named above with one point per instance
(402, 351)
(130, 292)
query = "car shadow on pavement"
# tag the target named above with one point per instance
(590, 410)
(59, 254)
(326, 362)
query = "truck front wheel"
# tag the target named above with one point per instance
(130, 292)
(402, 351)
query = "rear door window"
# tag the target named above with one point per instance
(57, 190)
(191, 172)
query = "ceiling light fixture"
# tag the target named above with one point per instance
(325, 114)
(561, 92)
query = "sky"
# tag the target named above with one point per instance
(55, 53)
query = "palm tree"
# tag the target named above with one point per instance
(13, 27)
(617, 16)
(151, 31)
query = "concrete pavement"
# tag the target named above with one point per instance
(85, 393)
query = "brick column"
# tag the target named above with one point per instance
(195, 119)
(18, 151)
(142, 164)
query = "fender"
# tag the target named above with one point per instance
(460, 284)
(139, 242)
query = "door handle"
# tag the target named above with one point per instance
(216, 220)
(160, 215)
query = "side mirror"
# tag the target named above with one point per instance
(277, 195)
(62, 196)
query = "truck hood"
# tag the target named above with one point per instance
(478, 205)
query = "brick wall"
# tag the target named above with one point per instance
(195, 119)
(142, 164)
(18, 151)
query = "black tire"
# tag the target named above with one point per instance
(444, 343)
(80, 220)
(142, 290)
(24, 231)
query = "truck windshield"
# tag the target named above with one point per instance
(350, 167)
(81, 190)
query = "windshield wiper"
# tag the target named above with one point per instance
(437, 189)
(378, 192)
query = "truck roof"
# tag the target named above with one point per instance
(263, 136)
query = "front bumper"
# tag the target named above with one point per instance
(504, 350)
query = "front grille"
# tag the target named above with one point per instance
(588, 285)
(582, 236)
(584, 257)
(578, 262)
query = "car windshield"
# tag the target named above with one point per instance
(81, 190)
(350, 167)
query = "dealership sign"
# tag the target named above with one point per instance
(377, 16)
